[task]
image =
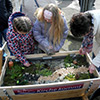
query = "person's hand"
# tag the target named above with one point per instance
(50, 50)
(92, 68)
(82, 51)
(27, 64)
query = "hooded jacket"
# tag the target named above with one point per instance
(42, 36)
(19, 44)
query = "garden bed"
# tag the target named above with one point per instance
(69, 68)
(36, 83)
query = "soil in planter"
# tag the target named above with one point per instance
(72, 67)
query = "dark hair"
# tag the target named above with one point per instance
(22, 24)
(80, 24)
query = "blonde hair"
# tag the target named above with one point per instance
(22, 24)
(56, 29)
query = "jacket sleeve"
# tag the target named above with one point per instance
(65, 33)
(9, 7)
(39, 37)
(12, 42)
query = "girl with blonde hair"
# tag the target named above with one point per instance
(50, 29)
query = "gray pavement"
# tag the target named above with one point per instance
(69, 7)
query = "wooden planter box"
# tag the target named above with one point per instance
(1, 55)
(49, 91)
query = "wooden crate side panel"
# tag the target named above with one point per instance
(1, 55)
(44, 88)
(50, 96)
(8, 89)
(3, 70)
(93, 85)
(24, 91)
(96, 84)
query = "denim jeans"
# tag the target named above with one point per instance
(3, 34)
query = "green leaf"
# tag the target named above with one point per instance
(17, 81)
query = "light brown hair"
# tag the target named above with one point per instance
(22, 24)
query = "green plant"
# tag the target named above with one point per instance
(45, 72)
(15, 72)
(81, 76)
(70, 77)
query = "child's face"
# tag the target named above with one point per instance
(48, 20)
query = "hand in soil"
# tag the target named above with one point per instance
(92, 68)
(27, 64)
(81, 51)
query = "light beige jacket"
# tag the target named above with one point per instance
(96, 40)
(29, 7)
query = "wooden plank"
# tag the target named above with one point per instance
(64, 53)
(1, 54)
(49, 96)
(52, 96)
(3, 71)
(4, 45)
(85, 98)
(61, 87)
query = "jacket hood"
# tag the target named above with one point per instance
(14, 15)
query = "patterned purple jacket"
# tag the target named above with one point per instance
(42, 36)
(19, 44)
